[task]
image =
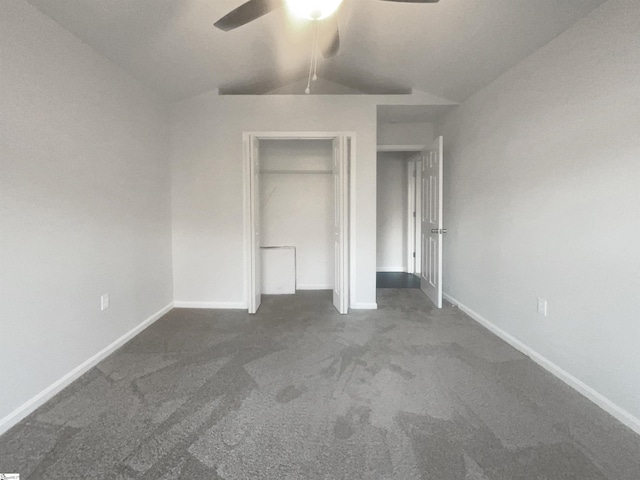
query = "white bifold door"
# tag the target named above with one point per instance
(431, 223)
(255, 280)
(341, 161)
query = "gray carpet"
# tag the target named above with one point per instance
(300, 392)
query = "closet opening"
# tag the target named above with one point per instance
(297, 211)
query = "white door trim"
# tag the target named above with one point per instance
(414, 173)
(418, 224)
(410, 266)
(248, 138)
(400, 148)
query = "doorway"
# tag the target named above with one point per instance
(297, 218)
(398, 214)
(409, 215)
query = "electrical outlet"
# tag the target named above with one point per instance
(542, 307)
(104, 301)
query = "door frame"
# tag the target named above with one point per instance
(414, 206)
(349, 211)
(414, 189)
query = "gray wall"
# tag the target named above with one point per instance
(208, 221)
(207, 185)
(407, 133)
(542, 188)
(392, 205)
(85, 204)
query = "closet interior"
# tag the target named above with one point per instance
(296, 215)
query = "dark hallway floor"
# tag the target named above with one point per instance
(299, 392)
(397, 280)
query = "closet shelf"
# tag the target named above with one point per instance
(313, 172)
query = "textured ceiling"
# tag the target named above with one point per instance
(450, 49)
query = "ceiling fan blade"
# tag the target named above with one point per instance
(247, 12)
(411, 1)
(330, 37)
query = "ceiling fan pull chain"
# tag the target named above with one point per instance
(315, 53)
(308, 89)
(314, 60)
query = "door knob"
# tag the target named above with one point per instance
(438, 230)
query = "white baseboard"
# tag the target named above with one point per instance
(221, 305)
(314, 287)
(41, 398)
(391, 269)
(364, 306)
(603, 402)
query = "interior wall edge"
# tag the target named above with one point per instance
(48, 393)
(587, 391)
(364, 306)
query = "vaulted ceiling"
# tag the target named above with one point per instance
(450, 49)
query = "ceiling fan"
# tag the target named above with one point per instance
(311, 9)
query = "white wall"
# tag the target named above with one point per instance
(542, 188)
(319, 87)
(207, 184)
(297, 208)
(208, 224)
(392, 205)
(415, 133)
(85, 205)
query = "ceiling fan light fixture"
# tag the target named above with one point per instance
(313, 9)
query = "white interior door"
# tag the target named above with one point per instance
(432, 231)
(341, 151)
(255, 297)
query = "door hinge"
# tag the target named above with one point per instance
(414, 214)
(414, 254)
